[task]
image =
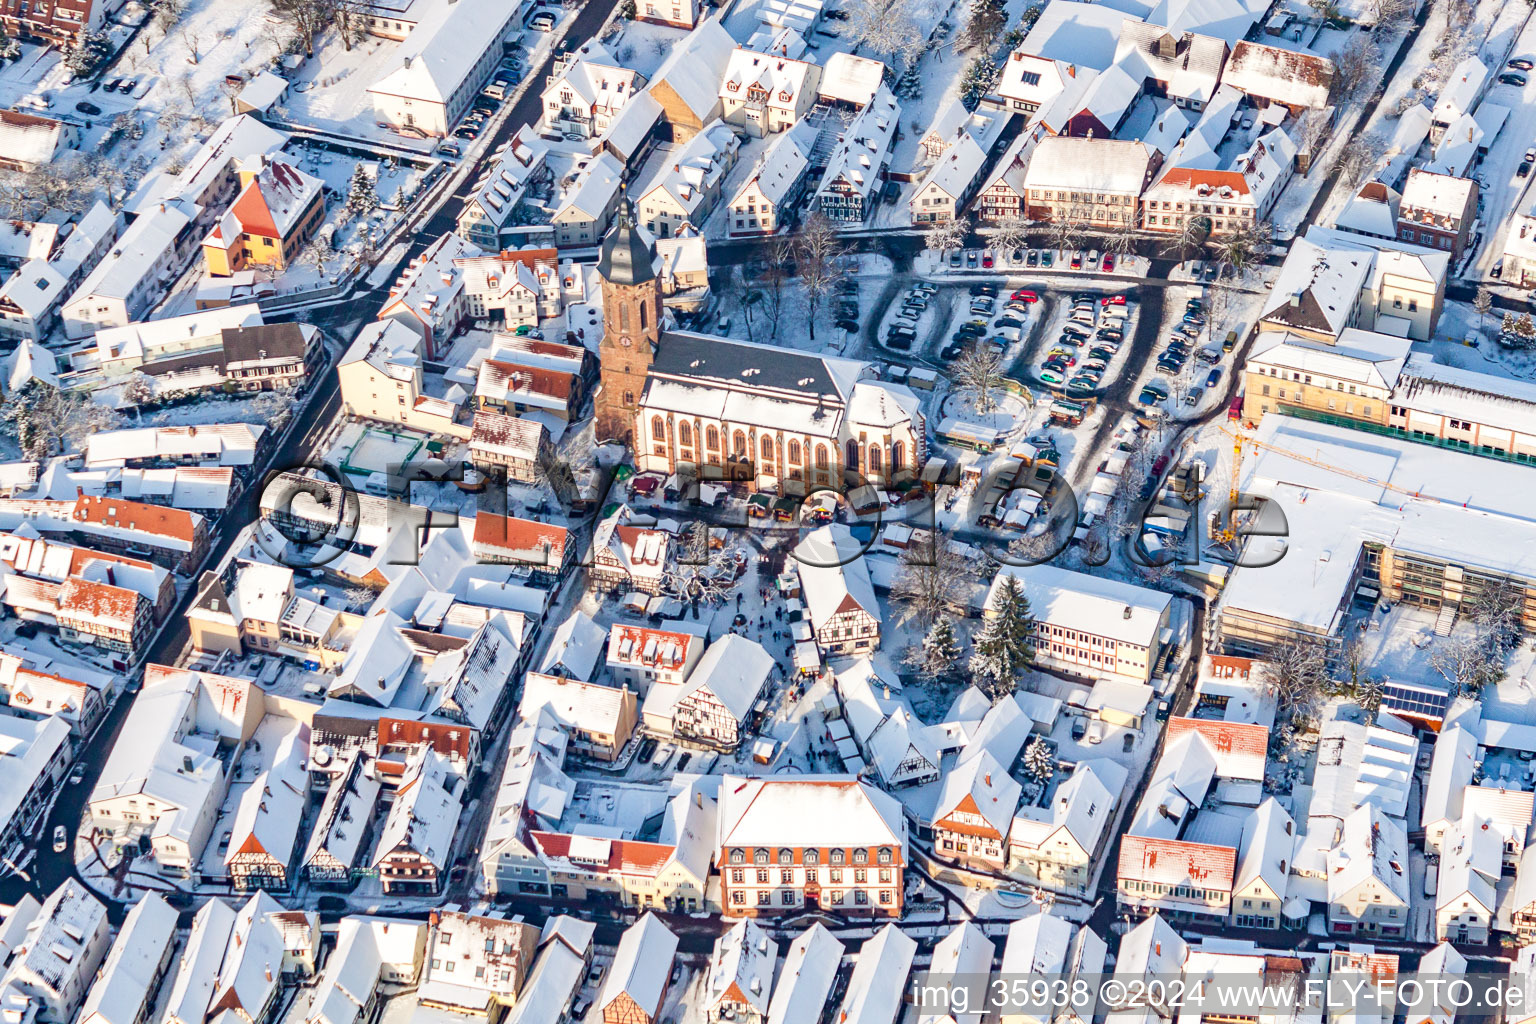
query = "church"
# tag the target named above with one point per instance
(782, 418)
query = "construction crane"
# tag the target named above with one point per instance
(1239, 439)
(1226, 534)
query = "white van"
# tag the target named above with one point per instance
(544, 21)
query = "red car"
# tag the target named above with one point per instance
(1025, 296)
(1113, 300)
(986, 260)
(1109, 262)
(1160, 465)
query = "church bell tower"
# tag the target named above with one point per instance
(631, 325)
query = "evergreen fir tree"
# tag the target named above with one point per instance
(941, 649)
(1039, 759)
(362, 197)
(1005, 644)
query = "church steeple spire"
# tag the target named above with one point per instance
(631, 323)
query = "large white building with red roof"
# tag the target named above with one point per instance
(811, 841)
(640, 657)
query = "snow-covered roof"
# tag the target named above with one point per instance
(1099, 165)
(954, 170)
(1365, 357)
(575, 648)
(810, 968)
(1439, 194)
(833, 575)
(1318, 287)
(782, 79)
(1189, 63)
(595, 187)
(981, 786)
(1094, 604)
(1361, 764)
(1291, 77)
(694, 68)
(641, 966)
(597, 82)
(423, 817)
(693, 172)
(577, 705)
(136, 253)
(1269, 844)
(130, 974)
(443, 50)
(1084, 34)
(781, 166)
(1461, 90)
(875, 989)
(856, 161)
(1372, 211)
(965, 952)
(741, 969)
(1371, 845)
(808, 810)
(31, 140)
(501, 189)
(267, 817)
(848, 78)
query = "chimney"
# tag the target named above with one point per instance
(269, 973)
(1296, 301)
(1127, 613)
(186, 762)
(698, 799)
(989, 778)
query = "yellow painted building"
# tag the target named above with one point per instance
(277, 213)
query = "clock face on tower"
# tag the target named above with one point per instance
(625, 341)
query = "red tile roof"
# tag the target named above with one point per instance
(524, 537)
(625, 856)
(155, 520)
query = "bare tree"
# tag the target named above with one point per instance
(1300, 671)
(1390, 13)
(949, 234)
(1356, 65)
(979, 372)
(351, 20)
(886, 27)
(1244, 246)
(231, 88)
(1191, 237)
(1312, 128)
(307, 16)
(1068, 230)
(1010, 233)
(1121, 240)
(1483, 304)
(930, 578)
(781, 257)
(1359, 160)
(819, 254)
(193, 41)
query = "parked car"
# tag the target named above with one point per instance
(1511, 78)
(113, 85)
(1025, 295)
(1213, 378)
(1103, 352)
(1154, 392)
(1194, 396)
(88, 108)
(1051, 376)
(1077, 260)
(848, 325)
(970, 258)
(60, 839)
(77, 775)
(1004, 322)
(1523, 170)
(1047, 258)
(1033, 259)
(1522, 64)
(989, 290)
(986, 259)
(1093, 257)
(1109, 262)
(955, 258)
